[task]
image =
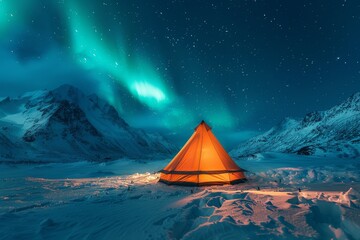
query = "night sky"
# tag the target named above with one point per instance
(242, 66)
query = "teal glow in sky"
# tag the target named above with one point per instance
(95, 51)
(104, 48)
(242, 66)
(10, 14)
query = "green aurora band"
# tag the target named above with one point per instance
(97, 44)
(11, 14)
(92, 50)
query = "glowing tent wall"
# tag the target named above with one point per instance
(202, 161)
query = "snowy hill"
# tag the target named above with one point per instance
(332, 132)
(65, 124)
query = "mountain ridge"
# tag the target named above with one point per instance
(64, 123)
(335, 131)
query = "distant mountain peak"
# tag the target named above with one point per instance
(5, 100)
(354, 101)
(68, 92)
(355, 97)
(335, 131)
(64, 123)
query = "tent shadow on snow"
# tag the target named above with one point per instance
(202, 161)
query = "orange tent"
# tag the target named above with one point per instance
(202, 161)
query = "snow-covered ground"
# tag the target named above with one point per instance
(123, 200)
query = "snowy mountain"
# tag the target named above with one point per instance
(332, 132)
(66, 125)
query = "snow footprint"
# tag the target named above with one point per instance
(270, 206)
(215, 202)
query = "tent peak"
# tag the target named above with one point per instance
(203, 123)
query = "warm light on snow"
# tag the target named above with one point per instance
(137, 206)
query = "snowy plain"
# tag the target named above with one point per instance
(123, 200)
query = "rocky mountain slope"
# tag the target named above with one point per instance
(66, 125)
(332, 132)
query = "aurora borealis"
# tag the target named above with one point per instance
(93, 50)
(165, 65)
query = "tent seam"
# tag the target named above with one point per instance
(202, 139)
